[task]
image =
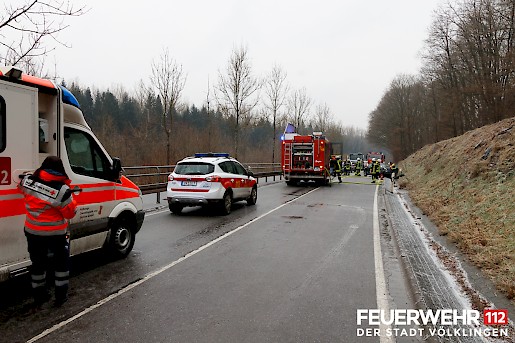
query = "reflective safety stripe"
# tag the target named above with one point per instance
(33, 223)
(34, 213)
(60, 283)
(46, 232)
(38, 277)
(38, 280)
(62, 274)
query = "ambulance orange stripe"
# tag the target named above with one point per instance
(10, 191)
(85, 198)
(13, 207)
(94, 197)
(124, 194)
(125, 183)
(16, 207)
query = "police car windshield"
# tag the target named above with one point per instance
(194, 168)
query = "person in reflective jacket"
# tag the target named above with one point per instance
(359, 166)
(335, 165)
(49, 204)
(376, 170)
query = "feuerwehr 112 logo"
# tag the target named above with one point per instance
(441, 323)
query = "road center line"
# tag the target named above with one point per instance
(381, 291)
(157, 272)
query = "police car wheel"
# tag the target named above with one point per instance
(226, 203)
(175, 208)
(252, 199)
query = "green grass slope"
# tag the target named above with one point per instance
(466, 186)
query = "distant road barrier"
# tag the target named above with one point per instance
(153, 179)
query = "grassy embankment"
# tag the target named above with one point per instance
(466, 186)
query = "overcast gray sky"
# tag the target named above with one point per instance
(345, 53)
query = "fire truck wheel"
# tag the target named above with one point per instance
(251, 200)
(121, 237)
(175, 208)
(226, 204)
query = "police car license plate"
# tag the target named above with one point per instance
(188, 183)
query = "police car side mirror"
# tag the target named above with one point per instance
(249, 173)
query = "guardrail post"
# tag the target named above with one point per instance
(158, 192)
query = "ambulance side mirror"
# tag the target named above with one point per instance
(116, 169)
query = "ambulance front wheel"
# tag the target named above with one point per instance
(121, 237)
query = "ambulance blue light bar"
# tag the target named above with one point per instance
(69, 98)
(211, 154)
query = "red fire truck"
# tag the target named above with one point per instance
(305, 158)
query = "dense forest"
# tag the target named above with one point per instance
(130, 127)
(467, 80)
(244, 113)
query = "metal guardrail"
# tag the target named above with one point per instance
(153, 179)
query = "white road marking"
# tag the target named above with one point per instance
(155, 273)
(381, 291)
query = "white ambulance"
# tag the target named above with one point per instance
(39, 118)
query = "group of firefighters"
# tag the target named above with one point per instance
(339, 167)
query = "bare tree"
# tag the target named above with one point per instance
(470, 63)
(142, 94)
(398, 121)
(323, 117)
(275, 90)
(26, 26)
(169, 80)
(299, 105)
(237, 90)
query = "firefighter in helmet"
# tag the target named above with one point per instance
(347, 167)
(371, 168)
(359, 166)
(336, 165)
(376, 170)
(332, 165)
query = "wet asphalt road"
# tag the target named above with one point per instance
(297, 268)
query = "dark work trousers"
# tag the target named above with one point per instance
(43, 250)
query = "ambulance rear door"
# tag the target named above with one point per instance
(18, 153)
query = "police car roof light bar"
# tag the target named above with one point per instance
(211, 154)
